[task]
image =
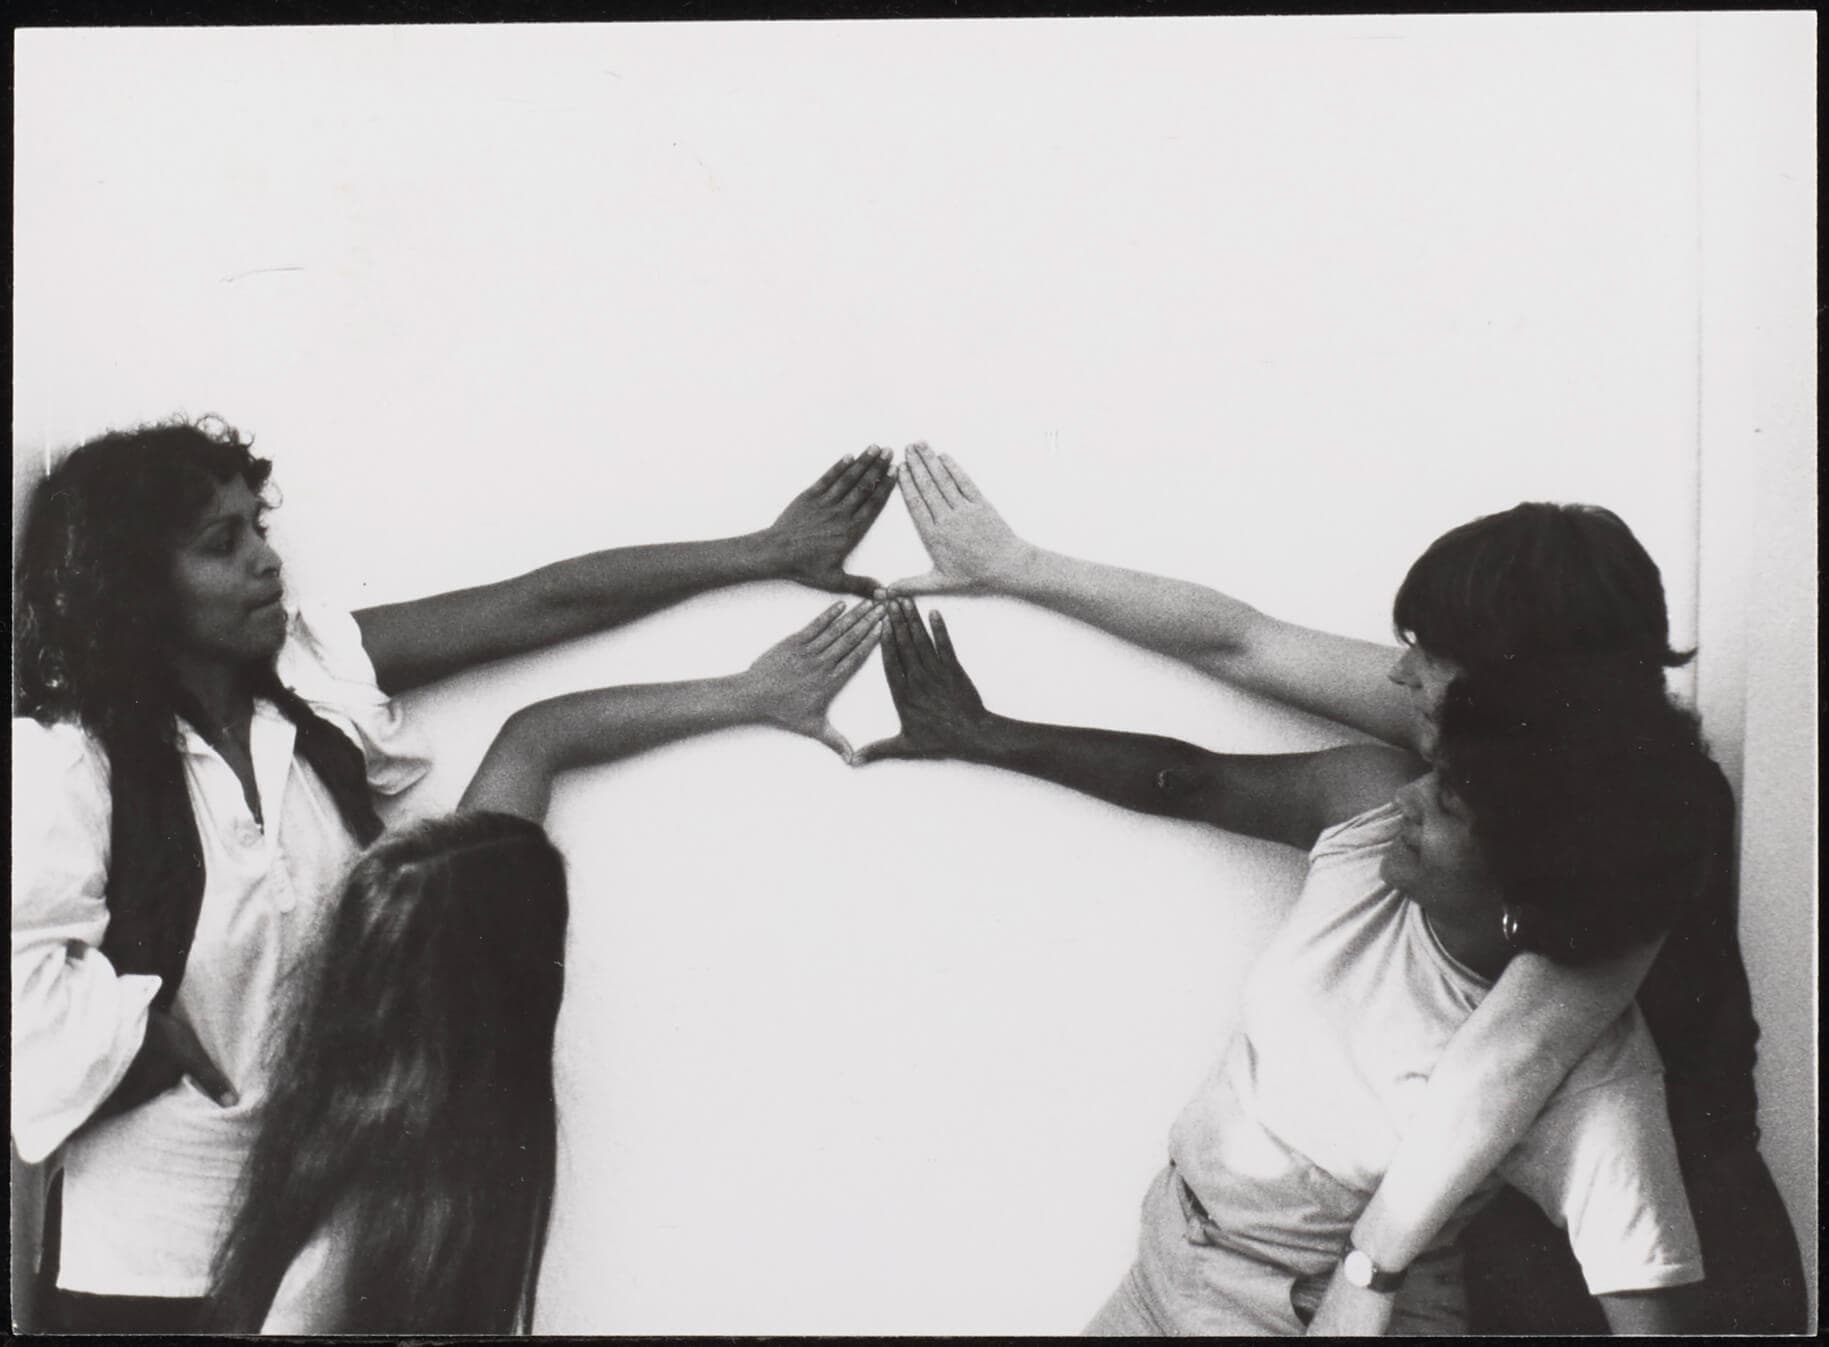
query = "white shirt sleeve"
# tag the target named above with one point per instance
(1601, 1163)
(324, 662)
(77, 1024)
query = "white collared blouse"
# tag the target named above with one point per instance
(147, 1192)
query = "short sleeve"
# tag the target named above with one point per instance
(1601, 1163)
(77, 1025)
(324, 662)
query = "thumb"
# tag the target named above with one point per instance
(196, 1064)
(832, 739)
(882, 750)
(863, 586)
(934, 582)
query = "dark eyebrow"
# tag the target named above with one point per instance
(210, 521)
(214, 521)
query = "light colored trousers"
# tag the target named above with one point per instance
(1184, 1285)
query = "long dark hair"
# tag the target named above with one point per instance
(1541, 580)
(96, 623)
(94, 618)
(413, 1111)
(1594, 801)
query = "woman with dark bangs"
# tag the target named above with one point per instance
(195, 758)
(1539, 580)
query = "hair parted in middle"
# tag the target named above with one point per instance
(414, 1108)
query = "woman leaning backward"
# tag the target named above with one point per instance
(195, 758)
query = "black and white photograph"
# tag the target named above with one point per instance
(1114, 676)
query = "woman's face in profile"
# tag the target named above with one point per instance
(1427, 677)
(1436, 860)
(225, 582)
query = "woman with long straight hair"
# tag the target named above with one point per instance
(402, 1175)
(196, 758)
(403, 1169)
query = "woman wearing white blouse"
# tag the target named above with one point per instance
(195, 758)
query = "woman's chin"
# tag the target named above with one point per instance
(267, 631)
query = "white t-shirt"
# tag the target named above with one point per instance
(1344, 1018)
(147, 1192)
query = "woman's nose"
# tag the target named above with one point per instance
(1402, 672)
(266, 560)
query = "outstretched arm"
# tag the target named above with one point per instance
(1286, 798)
(974, 551)
(427, 639)
(790, 686)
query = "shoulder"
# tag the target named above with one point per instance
(1359, 778)
(63, 817)
(56, 761)
(326, 664)
(311, 1297)
(323, 643)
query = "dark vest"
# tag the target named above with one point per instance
(155, 858)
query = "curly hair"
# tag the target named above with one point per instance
(413, 1111)
(1536, 580)
(94, 621)
(1594, 801)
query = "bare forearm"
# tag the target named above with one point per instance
(1124, 769)
(604, 589)
(975, 551)
(1499, 1069)
(599, 726)
(423, 640)
(1177, 618)
(1335, 677)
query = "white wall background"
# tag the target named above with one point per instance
(1268, 303)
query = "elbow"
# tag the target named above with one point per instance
(1184, 790)
(524, 750)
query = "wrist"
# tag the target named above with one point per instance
(1016, 570)
(1383, 1235)
(747, 698)
(995, 741)
(762, 555)
(1359, 1269)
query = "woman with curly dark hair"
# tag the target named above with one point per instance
(1414, 901)
(195, 756)
(1539, 580)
